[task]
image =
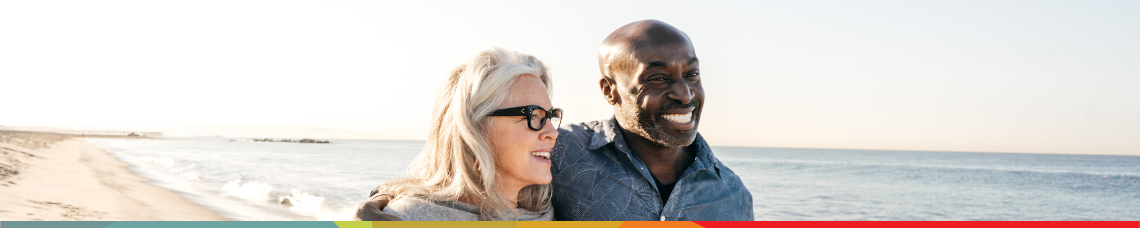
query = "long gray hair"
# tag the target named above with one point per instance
(458, 162)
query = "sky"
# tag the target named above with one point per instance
(982, 76)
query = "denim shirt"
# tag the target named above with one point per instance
(597, 177)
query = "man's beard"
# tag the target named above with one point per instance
(644, 123)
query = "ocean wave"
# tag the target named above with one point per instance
(192, 165)
(253, 191)
(168, 163)
(302, 201)
(296, 200)
(165, 162)
(207, 179)
(191, 177)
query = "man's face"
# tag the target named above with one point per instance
(661, 93)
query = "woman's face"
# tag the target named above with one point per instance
(523, 155)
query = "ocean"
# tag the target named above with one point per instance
(246, 180)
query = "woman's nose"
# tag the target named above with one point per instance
(550, 131)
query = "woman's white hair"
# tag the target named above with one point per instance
(458, 162)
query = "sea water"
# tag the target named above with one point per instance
(246, 180)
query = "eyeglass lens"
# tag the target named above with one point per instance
(538, 118)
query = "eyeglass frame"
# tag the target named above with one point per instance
(528, 112)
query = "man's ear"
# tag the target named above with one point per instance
(609, 90)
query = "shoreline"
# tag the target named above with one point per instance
(55, 177)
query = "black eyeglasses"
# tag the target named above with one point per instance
(535, 116)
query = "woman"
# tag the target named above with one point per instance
(488, 153)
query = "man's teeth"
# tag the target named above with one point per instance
(679, 118)
(541, 154)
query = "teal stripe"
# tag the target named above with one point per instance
(150, 224)
(54, 224)
(225, 224)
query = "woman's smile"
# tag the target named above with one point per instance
(544, 156)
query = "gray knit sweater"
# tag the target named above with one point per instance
(415, 209)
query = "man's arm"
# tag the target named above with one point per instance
(371, 210)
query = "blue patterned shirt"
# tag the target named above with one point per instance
(597, 177)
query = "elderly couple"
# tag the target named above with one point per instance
(496, 152)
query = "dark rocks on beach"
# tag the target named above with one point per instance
(290, 140)
(285, 201)
(311, 141)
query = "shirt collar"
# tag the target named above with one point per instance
(609, 132)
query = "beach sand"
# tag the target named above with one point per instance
(54, 177)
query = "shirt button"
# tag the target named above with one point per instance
(662, 218)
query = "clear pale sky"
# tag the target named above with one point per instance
(989, 76)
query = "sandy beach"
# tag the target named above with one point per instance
(54, 177)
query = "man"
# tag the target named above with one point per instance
(648, 162)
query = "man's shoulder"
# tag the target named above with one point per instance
(726, 173)
(583, 147)
(732, 184)
(722, 170)
(580, 129)
(576, 138)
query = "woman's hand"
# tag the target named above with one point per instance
(371, 210)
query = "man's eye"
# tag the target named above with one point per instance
(657, 79)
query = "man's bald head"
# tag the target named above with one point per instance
(618, 50)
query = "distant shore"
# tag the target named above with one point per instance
(56, 177)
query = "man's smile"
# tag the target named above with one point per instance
(679, 118)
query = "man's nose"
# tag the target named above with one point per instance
(681, 91)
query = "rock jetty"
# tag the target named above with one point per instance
(292, 141)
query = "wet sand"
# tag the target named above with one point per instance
(54, 177)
